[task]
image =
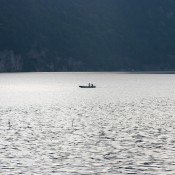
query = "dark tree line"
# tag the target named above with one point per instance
(87, 35)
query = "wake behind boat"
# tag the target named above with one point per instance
(89, 86)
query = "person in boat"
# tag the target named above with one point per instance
(89, 84)
(92, 85)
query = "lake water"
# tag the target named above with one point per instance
(48, 125)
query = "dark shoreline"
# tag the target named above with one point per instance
(118, 72)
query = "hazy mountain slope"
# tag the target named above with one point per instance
(76, 35)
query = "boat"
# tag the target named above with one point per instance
(87, 86)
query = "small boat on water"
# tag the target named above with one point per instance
(89, 86)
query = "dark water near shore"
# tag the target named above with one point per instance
(50, 126)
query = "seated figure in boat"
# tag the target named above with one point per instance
(89, 86)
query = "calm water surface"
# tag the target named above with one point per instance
(50, 126)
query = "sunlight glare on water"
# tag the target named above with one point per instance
(48, 125)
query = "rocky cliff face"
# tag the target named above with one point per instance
(93, 35)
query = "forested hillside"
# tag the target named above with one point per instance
(87, 35)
